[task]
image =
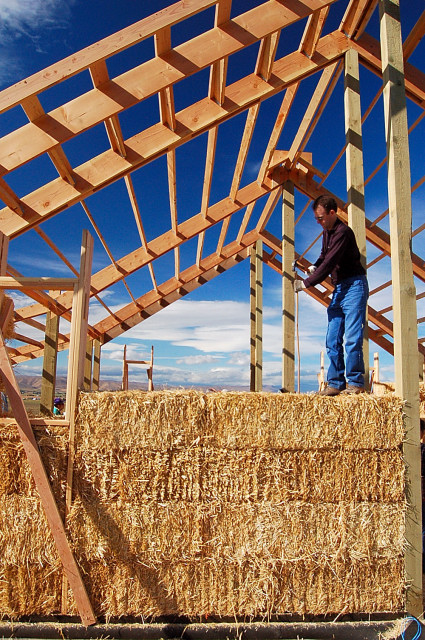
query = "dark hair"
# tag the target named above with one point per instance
(327, 202)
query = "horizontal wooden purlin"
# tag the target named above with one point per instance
(369, 50)
(105, 48)
(61, 284)
(31, 341)
(38, 422)
(146, 80)
(374, 234)
(144, 147)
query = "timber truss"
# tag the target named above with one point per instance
(245, 214)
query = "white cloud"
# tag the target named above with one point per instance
(26, 22)
(197, 359)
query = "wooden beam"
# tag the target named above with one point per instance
(48, 377)
(96, 365)
(266, 55)
(61, 284)
(103, 49)
(10, 198)
(251, 120)
(414, 79)
(414, 37)
(256, 316)
(88, 362)
(317, 103)
(218, 71)
(312, 31)
(354, 171)
(43, 486)
(285, 107)
(404, 295)
(145, 146)
(288, 302)
(354, 14)
(206, 189)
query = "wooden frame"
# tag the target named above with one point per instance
(318, 55)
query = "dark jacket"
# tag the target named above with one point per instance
(340, 256)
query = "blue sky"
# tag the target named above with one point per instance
(204, 338)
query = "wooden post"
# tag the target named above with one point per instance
(88, 360)
(43, 486)
(288, 296)
(256, 314)
(376, 367)
(321, 375)
(96, 366)
(354, 169)
(48, 379)
(150, 372)
(77, 351)
(404, 294)
(124, 384)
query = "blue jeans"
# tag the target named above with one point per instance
(347, 316)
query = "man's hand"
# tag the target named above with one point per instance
(298, 285)
(311, 268)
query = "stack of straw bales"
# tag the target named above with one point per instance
(217, 505)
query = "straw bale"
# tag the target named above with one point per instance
(222, 504)
(250, 475)
(167, 419)
(169, 532)
(247, 589)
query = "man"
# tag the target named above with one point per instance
(340, 258)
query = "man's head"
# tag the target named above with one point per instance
(325, 208)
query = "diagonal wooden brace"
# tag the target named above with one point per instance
(41, 479)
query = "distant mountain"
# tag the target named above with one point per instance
(33, 384)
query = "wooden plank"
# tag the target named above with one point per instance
(79, 323)
(206, 188)
(102, 49)
(318, 97)
(88, 361)
(285, 107)
(266, 55)
(256, 317)
(96, 365)
(245, 221)
(61, 284)
(353, 15)
(250, 122)
(44, 489)
(218, 71)
(48, 376)
(146, 80)
(354, 170)
(414, 79)
(269, 207)
(143, 147)
(312, 31)
(404, 294)
(288, 302)
(10, 198)
(414, 37)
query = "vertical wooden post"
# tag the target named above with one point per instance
(77, 351)
(124, 384)
(256, 315)
(288, 295)
(404, 294)
(321, 375)
(48, 379)
(376, 367)
(96, 366)
(4, 248)
(354, 169)
(150, 372)
(88, 360)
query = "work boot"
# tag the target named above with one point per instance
(352, 390)
(330, 391)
